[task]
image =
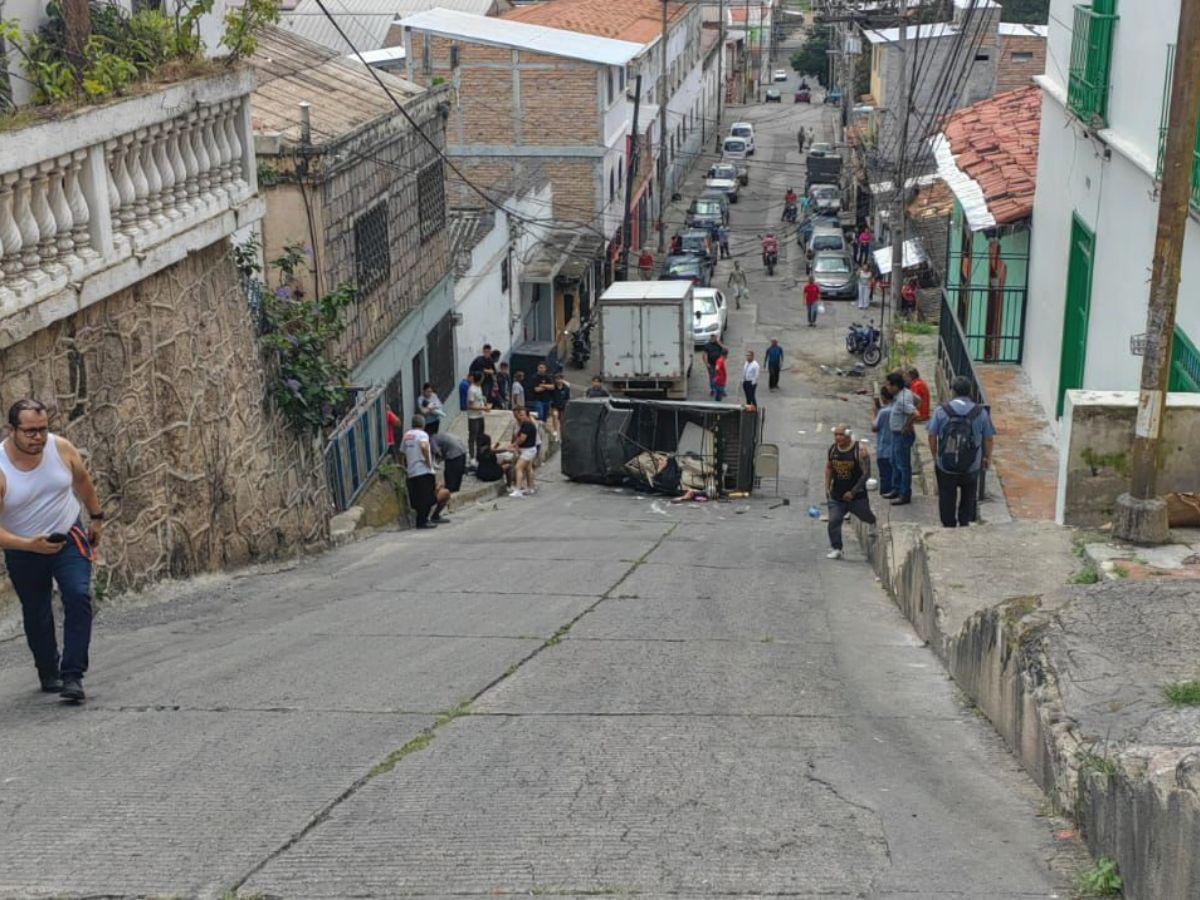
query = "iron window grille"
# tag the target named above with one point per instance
(431, 200)
(1091, 59)
(372, 259)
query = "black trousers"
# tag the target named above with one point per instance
(958, 498)
(750, 389)
(859, 507)
(475, 433)
(773, 377)
(422, 496)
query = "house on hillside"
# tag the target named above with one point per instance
(364, 193)
(987, 156)
(1096, 208)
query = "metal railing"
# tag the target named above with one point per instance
(356, 448)
(954, 359)
(999, 336)
(1091, 53)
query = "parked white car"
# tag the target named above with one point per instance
(745, 131)
(710, 316)
(781, 75)
(723, 177)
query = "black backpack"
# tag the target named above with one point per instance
(957, 447)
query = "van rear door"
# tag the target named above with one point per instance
(661, 335)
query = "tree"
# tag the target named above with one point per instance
(813, 58)
(1035, 11)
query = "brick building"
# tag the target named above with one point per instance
(365, 195)
(1022, 55)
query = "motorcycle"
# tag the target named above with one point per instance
(770, 259)
(865, 341)
(789, 213)
(581, 342)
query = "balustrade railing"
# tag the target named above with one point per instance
(102, 185)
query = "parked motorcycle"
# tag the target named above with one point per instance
(865, 341)
(581, 342)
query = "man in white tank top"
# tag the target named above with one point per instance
(43, 483)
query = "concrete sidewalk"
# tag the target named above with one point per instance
(1072, 674)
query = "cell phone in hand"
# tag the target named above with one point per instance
(56, 538)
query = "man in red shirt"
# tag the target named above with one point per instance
(392, 421)
(920, 390)
(646, 263)
(812, 296)
(720, 376)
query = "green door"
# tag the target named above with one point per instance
(1078, 305)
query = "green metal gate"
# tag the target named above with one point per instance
(1078, 307)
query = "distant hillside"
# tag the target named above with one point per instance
(1037, 11)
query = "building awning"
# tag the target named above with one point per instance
(564, 254)
(914, 255)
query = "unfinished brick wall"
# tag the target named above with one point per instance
(1014, 70)
(381, 164)
(162, 387)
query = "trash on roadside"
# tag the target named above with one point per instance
(814, 512)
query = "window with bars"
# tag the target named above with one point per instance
(431, 200)
(372, 259)
(1185, 364)
(1091, 58)
(1165, 117)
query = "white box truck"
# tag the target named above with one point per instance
(646, 337)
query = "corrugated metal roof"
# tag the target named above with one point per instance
(915, 32)
(342, 95)
(366, 23)
(537, 38)
(1019, 29)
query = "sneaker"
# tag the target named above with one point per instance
(51, 685)
(72, 690)
(428, 525)
(517, 492)
(890, 495)
(438, 520)
(834, 554)
(902, 501)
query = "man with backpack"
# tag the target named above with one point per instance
(960, 438)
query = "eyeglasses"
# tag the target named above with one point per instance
(34, 432)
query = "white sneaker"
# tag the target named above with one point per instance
(834, 554)
(516, 493)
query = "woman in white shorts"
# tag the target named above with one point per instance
(525, 445)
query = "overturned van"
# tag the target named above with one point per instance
(709, 447)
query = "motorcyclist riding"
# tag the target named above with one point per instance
(789, 206)
(790, 197)
(770, 252)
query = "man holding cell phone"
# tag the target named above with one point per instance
(44, 485)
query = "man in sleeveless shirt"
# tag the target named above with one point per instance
(847, 469)
(43, 485)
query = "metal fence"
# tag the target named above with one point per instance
(954, 359)
(356, 447)
(992, 320)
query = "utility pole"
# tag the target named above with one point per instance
(898, 210)
(630, 177)
(662, 135)
(1141, 516)
(720, 63)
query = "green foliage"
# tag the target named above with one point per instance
(105, 73)
(187, 42)
(812, 59)
(922, 328)
(1036, 11)
(49, 73)
(243, 24)
(309, 385)
(1086, 575)
(1183, 693)
(1102, 880)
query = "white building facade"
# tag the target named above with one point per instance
(1095, 212)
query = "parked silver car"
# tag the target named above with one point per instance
(835, 276)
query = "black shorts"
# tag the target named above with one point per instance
(455, 468)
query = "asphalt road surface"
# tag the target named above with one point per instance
(582, 692)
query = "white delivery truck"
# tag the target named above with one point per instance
(646, 337)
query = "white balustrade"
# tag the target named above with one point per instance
(90, 191)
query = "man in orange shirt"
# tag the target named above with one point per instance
(920, 390)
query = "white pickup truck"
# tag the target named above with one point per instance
(646, 337)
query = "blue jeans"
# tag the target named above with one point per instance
(902, 445)
(885, 474)
(542, 408)
(31, 575)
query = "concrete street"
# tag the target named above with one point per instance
(582, 692)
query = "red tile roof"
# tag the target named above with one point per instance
(639, 21)
(995, 141)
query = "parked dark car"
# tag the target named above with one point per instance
(698, 242)
(707, 212)
(835, 276)
(686, 268)
(721, 197)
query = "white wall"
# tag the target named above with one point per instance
(1114, 197)
(490, 316)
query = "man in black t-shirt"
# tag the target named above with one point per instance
(847, 468)
(484, 367)
(525, 446)
(540, 392)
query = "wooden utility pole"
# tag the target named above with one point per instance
(664, 88)
(631, 168)
(898, 211)
(1141, 516)
(720, 65)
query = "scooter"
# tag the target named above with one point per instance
(864, 341)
